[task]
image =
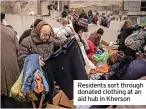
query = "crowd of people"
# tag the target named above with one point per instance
(93, 17)
(44, 54)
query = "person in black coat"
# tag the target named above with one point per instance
(124, 34)
(83, 14)
(127, 24)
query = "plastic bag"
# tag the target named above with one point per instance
(100, 57)
(15, 91)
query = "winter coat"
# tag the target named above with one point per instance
(90, 17)
(104, 21)
(64, 14)
(66, 65)
(9, 62)
(34, 45)
(95, 39)
(118, 70)
(91, 50)
(82, 15)
(136, 40)
(126, 68)
(25, 34)
(125, 33)
(135, 70)
(95, 19)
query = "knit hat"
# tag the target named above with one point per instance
(136, 40)
(39, 26)
(83, 22)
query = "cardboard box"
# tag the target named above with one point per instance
(112, 52)
(104, 43)
(109, 47)
(113, 56)
(60, 101)
(52, 106)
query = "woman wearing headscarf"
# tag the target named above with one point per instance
(41, 41)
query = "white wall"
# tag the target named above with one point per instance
(20, 23)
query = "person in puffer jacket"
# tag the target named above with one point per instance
(41, 41)
(127, 24)
(127, 68)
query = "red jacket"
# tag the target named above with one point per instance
(91, 49)
(95, 19)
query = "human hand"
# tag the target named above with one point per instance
(121, 54)
(41, 61)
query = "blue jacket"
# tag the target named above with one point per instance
(30, 68)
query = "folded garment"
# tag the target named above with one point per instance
(95, 76)
(102, 69)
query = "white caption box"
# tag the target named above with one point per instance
(110, 92)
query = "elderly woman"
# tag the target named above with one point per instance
(41, 41)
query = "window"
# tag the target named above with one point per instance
(143, 5)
